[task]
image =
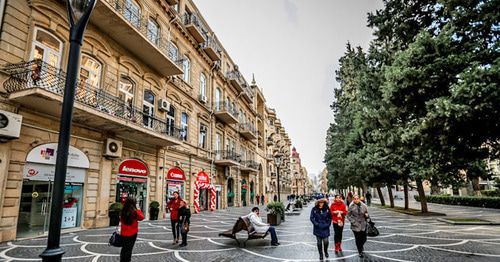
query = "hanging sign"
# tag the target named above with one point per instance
(176, 174)
(47, 154)
(203, 178)
(41, 172)
(133, 167)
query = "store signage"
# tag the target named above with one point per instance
(203, 178)
(47, 154)
(133, 167)
(176, 174)
(218, 187)
(132, 179)
(41, 172)
(69, 217)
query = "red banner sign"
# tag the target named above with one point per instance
(133, 167)
(176, 174)
(203, 178)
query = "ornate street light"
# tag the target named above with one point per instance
(277, 160)
(78, 14)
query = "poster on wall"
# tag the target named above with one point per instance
(173, 187)
(69, 217)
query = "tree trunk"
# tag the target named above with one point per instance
(475, 186)
(359, 192)
(405, 188)
(435, 189)
(381, 196)
(421, 194)
(391, 196)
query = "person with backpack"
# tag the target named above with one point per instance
(357, 215)
(129, 220)
(184, 221)
(338, 211)
(321, 219)
(173, 205)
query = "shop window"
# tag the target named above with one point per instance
(153, 31)
(184, 126)
(47, 48)
(203, 136)
(132, 12)
(148, 108)
(186, 67)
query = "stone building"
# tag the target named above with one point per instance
(160, 107)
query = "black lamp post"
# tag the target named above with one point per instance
(277, 160)
(78, 15)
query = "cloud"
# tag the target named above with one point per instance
(291, 11)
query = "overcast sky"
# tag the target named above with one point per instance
(293, 47)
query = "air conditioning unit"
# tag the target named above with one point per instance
(10, 125)
(203, 99)
(113, 148)
(163, 105)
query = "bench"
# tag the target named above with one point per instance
(243, 223)
(293, 212)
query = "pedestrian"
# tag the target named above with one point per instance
(261, 227)
(368, 196)
(338, 210)
(357, 215)
(321, 219)
(184, 221)
(129, 217)
(257, 197)
(173, 205)
(348, 199)
(275, 198)
(262, 199)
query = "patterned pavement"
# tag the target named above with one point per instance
(402, 238)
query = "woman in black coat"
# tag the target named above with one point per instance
(184, 218)
(321, 219)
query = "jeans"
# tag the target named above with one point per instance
(127, 246)
(360, 240)
(175, 228)
(322, 245)
(274, 237)
(338, 233)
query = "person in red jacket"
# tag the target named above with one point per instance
(174, 205)
(338, 210)
(129, 219)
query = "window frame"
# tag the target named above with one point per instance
(184, 126)
(46, 48)
(151, 112)
(150, 35)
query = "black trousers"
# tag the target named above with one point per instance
(127, 246)
(360, 240)
(338, 233)
(175, 228)
(322, 245)
(183, 235)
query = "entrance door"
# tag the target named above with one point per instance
(204, 199)
(34, 209)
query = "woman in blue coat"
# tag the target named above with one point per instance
(321, 219)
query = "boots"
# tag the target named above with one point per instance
(340, 246)
(336, 247)
(326, 251)
(320, 250)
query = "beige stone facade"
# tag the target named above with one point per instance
(154, 78)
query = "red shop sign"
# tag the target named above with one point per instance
(203, 178)
(133, 167)
(176, 174)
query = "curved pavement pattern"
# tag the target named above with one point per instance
(402, 238)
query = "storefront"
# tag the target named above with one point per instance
(204, 193)
(175, 182)
(38, 183)
(133, 182)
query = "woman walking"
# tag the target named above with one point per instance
(321, 219)
(357, 215)
(129, 218)
(184, 221)
(173, 205)
(338, 211)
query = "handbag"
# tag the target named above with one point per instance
(371, 230)
(116, 239)
(185, 228)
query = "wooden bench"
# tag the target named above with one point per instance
(243, 223)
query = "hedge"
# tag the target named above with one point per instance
(489, 202)
(491, 193)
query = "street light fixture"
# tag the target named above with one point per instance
(78, 14)
(277, 160)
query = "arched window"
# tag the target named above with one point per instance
(89, 82)
(153, 31)
(171, 121)
(148, 108)
(186, 67)
(126, 94)
(132, 12)
(203, 86)
(47, 48)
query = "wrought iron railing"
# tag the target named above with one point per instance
(212, 43)
(250, 164)
(38, 74)
(194, 20)
(227, 155)
(226, 106)
(248, 127)
(236, 75)
(140, 23)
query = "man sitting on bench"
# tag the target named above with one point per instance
(261, 227)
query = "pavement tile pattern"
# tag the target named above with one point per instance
(402, 238)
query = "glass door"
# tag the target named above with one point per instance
(34, 209)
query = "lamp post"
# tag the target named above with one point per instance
(78, 15)
(277, 160)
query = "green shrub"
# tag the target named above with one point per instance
(276, 208)
(491, 193)
(489, 202)
(117, 206)
(154, 205)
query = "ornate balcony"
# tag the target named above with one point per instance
(39, 86)
(269, 141)
(249, 166)
(212, 49)
(227, 158)
(247, 94)
(248, 131)
(236, 80)
(226, 113)
(195, 27)
(126, 26)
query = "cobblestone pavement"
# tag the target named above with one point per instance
(402, 238)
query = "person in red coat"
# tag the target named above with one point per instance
(174, 205)
(338, 210)
(129, 219)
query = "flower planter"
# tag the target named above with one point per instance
(273, 219)
(114, 218)
(153, 213)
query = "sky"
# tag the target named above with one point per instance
(293, 48)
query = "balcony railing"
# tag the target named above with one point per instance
(212, 49)
(195, 27)
(226, 106)
(37, 74)
(237, 80)
(227, 155)
(250, 164)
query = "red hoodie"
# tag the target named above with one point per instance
(174, 206)
(338, 206)
(132, 229)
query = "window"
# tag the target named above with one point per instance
(218, 145)
(203, 85)
(171, 121)
(153, 31)
(132, 12)
(203, 136)
(218, 95)
(126, 94)
(148, 108)
(173, 51)
(186, 67)
(90, 76)
(184, 126)
(47, 48)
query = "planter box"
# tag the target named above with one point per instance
(273, 219)
(153, 213)
(114, 218)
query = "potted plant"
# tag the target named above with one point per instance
(276, 212)
(114, 214)
(298, 203)
(154, 210)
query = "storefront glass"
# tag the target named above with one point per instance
(127, 187)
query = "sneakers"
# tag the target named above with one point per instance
(183, 245)
(275, 244)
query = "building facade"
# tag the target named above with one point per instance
(160, 107)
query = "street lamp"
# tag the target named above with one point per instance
(78, 15)
(277, 160)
